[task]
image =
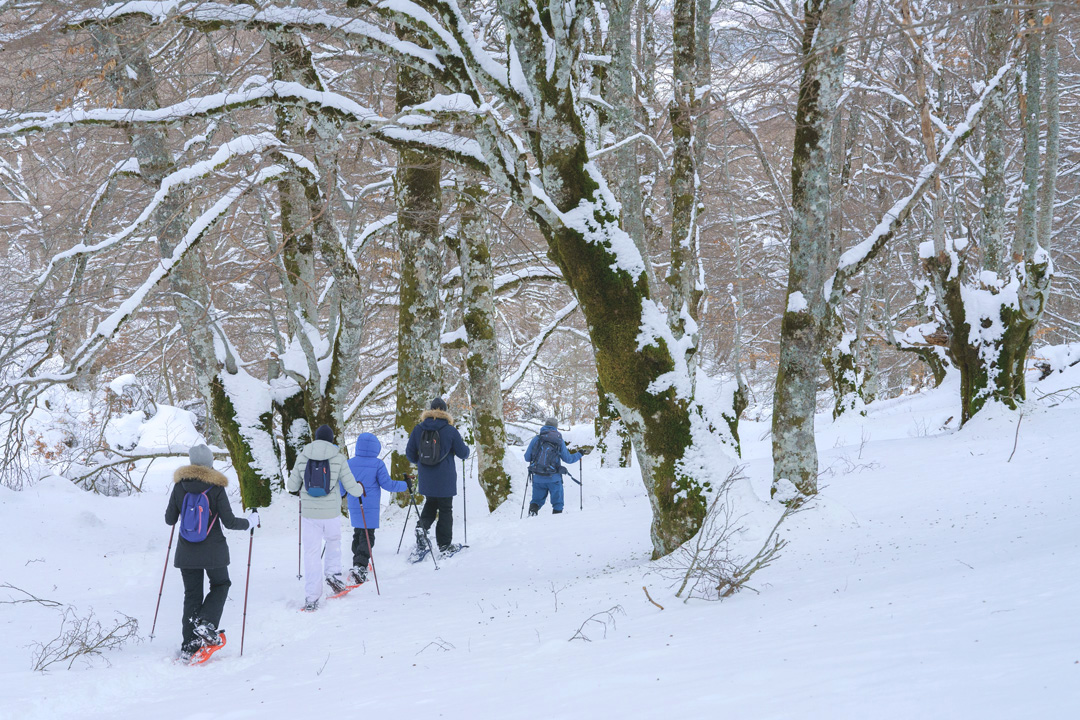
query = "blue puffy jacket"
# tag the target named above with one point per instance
(370, 472)
(564, 454)
(437, 480)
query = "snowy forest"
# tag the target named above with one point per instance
(710, 237)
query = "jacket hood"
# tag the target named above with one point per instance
(207, 475)
(437, 415)
(320, 450)
(367, 445)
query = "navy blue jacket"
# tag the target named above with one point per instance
(437, 480)
(564, 454)
(370, 472)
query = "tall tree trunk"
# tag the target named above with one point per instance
(478, 311)
(419, 207)
(682, 277)
(804, 321)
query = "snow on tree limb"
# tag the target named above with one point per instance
(537, 343)
(209, 15)
(855, 258)
(243, 145)
(108, 327)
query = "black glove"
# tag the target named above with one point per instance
(409, 483)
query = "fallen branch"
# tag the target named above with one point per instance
(650, 598)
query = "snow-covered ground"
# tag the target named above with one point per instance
(932, 578)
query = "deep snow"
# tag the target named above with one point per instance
(931, 578)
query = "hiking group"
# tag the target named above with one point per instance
(321, 477)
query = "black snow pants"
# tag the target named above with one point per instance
(199, 609)
(444, 508)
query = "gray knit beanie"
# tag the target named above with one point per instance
(553, 422)
(438, 404)
(201, 455)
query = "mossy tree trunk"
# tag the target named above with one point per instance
(482, 361)
(803, 326)
(419, 208)
(990, 320)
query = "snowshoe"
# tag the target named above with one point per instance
(423, 546)
(310, 606)
(451, 550)
(336, 585)
(203, 654)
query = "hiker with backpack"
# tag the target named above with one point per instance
(432, 447)
(544, 454)
(201, 506)
(370, 471)
(320, 468)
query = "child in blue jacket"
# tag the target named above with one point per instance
(370, 472)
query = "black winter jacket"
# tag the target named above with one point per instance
(213, 552)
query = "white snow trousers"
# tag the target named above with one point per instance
(314, 533)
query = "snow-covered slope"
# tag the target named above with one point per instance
(932, 578)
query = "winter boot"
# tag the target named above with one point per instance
(310, 606)
(335, 583)
(533, 509)
(206, 634)
(556, 512)
(421, 540)
(358, 575)
(190, 648)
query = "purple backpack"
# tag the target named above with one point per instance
(317, 478)
(195, 519)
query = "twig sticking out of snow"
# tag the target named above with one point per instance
(603, 619)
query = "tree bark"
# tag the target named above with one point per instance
(419, 208)
(485, 379)
(804, 321)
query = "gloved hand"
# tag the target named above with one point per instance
(253, 519)
(409, 483)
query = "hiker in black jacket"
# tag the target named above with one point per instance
(210, 555)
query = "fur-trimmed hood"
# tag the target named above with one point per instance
(437, 415)
(210, 476)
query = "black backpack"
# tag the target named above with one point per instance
(547, 460)
(430, 452)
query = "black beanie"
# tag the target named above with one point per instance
(438, 404)
(324, 433)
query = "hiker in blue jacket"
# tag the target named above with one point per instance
(545, 468)
(370, 472)
(436, 472)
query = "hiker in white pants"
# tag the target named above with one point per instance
(319, 467)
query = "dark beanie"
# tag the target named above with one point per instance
(438, 404)
(324, 433)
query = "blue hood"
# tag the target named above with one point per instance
(367, 445)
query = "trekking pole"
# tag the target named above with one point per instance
(464, 502)
(162, 588)
(580, 487)
(370, 554)
(427, 539)
(247, 583)
(404, 526)
(525, 495)
(299, 534)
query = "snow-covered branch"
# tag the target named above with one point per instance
(855, 258)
